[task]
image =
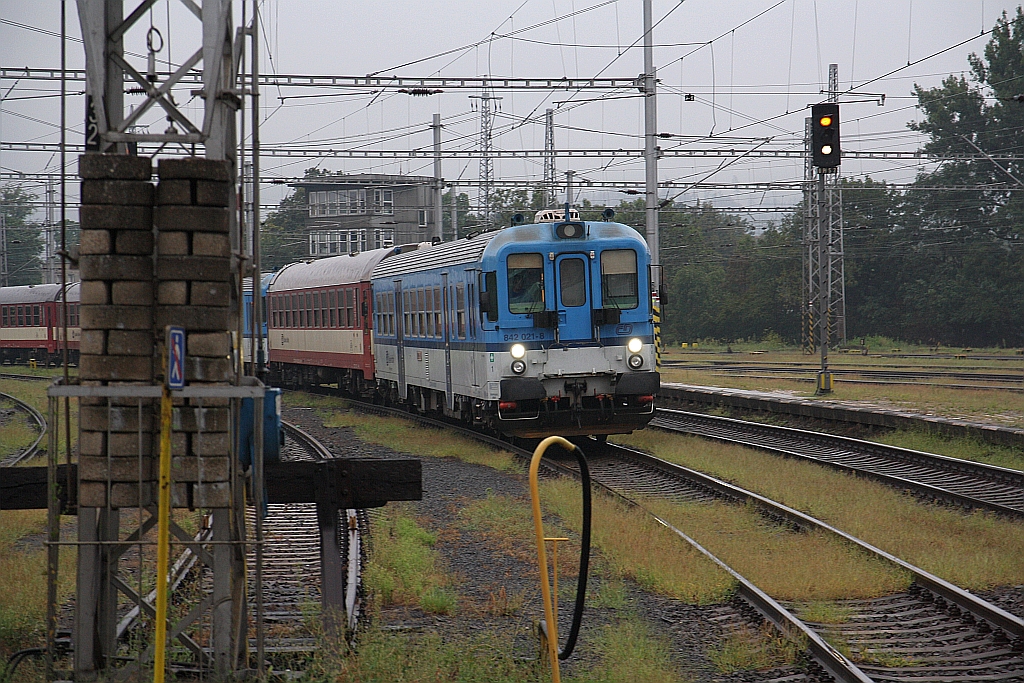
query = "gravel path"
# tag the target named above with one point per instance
(482, 570)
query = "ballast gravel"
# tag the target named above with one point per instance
(487, 577)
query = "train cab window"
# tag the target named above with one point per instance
(525, 283)
(619, 279)
(572, 281)
(460, 314)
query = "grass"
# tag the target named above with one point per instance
(407, 437)
(984, 404)
(34, 393)
(17, 432)
(23, 580)
(824, 612)
(403, 568)
(629, 652)
(963, 448)
(746, 648)
(975, 551)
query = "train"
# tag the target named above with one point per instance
(31, 326)
(530, 330)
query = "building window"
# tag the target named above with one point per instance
(384, 202)
(423, 218)
(384, 238)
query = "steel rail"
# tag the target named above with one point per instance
(981, 609)
(1007, 485)
(826, 656)
(36, 416)
(317, 449)
(792, 369)
(8, 375)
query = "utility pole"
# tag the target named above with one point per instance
(49, 248)
(454, 197)
(435, 232)
(257, 291)
(486, 162)
(549, 157)
(650, 139)
(5, 273)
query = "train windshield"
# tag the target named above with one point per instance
(618, 279)
(525, 283)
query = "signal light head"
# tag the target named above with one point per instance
(825, 121)
(826, 149)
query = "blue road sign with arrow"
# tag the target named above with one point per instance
(175, 357)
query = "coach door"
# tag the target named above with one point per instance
(446, 314)
(400, 338)
(572, 284)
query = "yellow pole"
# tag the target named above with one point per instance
(163, 536)
(542, 558)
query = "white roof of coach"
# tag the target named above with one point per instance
(466, 250)
(34, 294)
(335, 270)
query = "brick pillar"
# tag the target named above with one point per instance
(116, 263)
(194, 291)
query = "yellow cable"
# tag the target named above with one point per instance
(163, 536)
(542, 559)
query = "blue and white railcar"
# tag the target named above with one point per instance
(533, 330)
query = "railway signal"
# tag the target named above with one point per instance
(825, 135)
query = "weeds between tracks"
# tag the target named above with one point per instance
(976, 550)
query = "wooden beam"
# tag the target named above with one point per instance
(350, 483)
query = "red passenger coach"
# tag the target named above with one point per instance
(320, 314)
(30, 323)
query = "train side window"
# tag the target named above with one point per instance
(36, 322)
(350, 307)
(21, 316)
(525, 283)
(391, 313)
(436, 312)
(422, 311)
(460, 295)
(316, 309)
(3, 316)
(289, 303)
(334, 307)
(619, 279)
(74, 309)
(471, 292)
(323, 310)
(429, 311)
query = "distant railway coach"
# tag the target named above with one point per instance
(532, 330)
(31, 327)
(319, 317)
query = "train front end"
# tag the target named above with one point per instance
(567, 309)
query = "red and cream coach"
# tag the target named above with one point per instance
(31, 328)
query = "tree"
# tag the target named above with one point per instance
(24, 244)
(283, 236)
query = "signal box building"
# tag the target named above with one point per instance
(356, 213)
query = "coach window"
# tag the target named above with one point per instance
(35, 316)
(21, 316)
(429, 311)
(619, 279)
(460, 295)
(422, 311)
(3, 313)
(295, 311)
(473, 301)
(309, 309)
(333, 305)
(316, 309)
(350, 307)
(525, 283)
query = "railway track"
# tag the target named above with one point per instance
(935, 631)
(961, 482)
(40, 422)
(291, 562)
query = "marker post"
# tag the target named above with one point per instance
(174, 379)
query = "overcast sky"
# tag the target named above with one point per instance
(752, 67)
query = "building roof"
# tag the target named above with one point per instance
(333, 271)
(382, 179)
(34, 294)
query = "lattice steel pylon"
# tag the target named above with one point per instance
(486, 182)
(107, 535)
(549, 157)
(836, 256)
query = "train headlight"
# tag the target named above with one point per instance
(635, 362)
(635, 345)
(519, 366)
(517, 350)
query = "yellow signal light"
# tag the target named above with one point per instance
(825, 121)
